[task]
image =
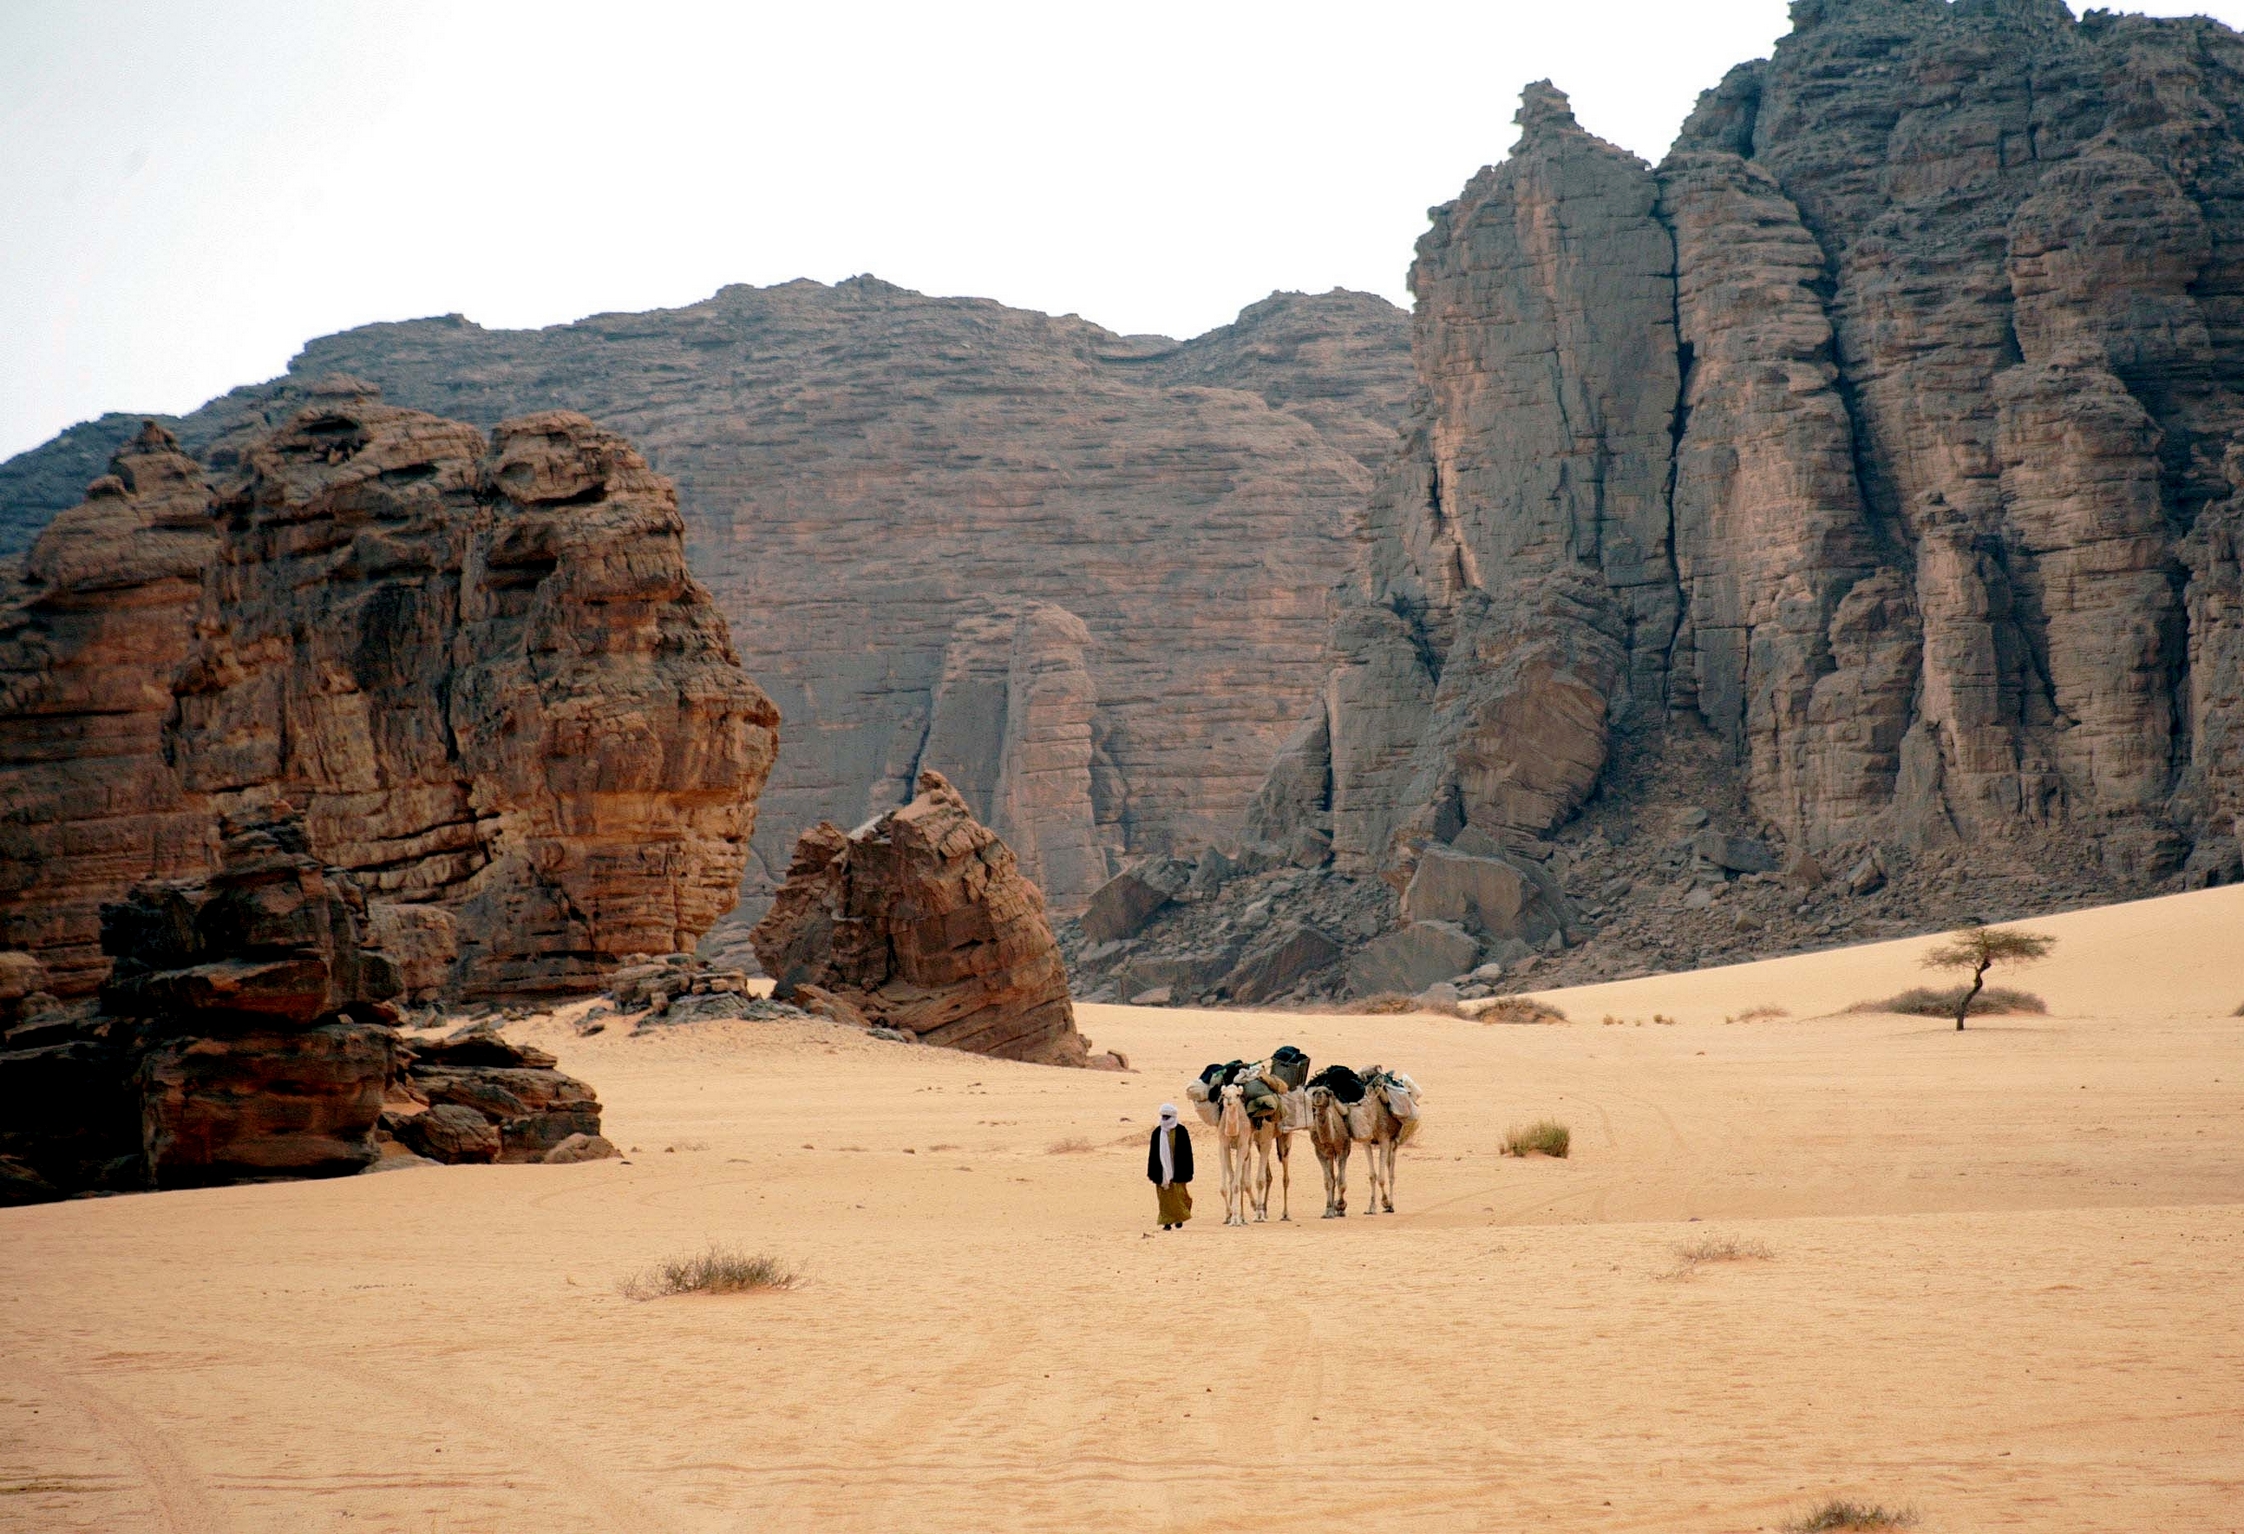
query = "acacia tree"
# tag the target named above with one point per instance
(1980, 949)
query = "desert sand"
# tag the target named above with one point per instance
(2002, 1285)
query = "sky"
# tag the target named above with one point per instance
(194, 190)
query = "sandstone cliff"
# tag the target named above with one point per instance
(1856, 475)
(947, 533)
(478, 666)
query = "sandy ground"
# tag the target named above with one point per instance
(2002, 1286)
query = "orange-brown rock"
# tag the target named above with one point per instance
(920, 921)
(91, 632)
(264, 1041)
(479, 667)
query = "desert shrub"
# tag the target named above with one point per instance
(1757, 1014)
(717, 1270)
(1073, 1145)
(1384, 1004)
(1690, 1256)
(1924, 1001)
(1837, 1514)
(1547, 1137)
(1518, 1009)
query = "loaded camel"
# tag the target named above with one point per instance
(1376, 1109)
(1253, 1120)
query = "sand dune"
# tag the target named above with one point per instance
(2002, 1286)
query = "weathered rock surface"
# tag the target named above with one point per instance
(1858, 471)
(480, 668)
(970, 482)
(1412, 957)
(265, 1044)
(920, 921)
(91, 633)
(527, 1106)
(247, 1032)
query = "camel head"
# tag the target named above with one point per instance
(1233, 1121)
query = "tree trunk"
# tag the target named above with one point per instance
(1978, 979)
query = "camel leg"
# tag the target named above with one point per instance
(1285, 1177)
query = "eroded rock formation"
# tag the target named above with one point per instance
(1877, 433)
(479, 667)
(920, 921)
(247, 1032)
(965, 481)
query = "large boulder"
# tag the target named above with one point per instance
(1408, 960)
(1491, 895)
(264, 1045)
(1282, 961)
(921, 921)
(1122, 906)
(266, 1103)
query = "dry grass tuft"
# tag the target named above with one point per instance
(1837, 1515)
(1544, 1137)
(1757, 1014)
(715, 1271)
(1923, 1001)
(1690, 1256)
(1073, 1145)
(1519, 1009)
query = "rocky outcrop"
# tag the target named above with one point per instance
(1855, 474)
(482, 1097)
(92, 632)
(920, 921)
(858, 459)
(479, 667)
(247, 1032)
(265, 1040)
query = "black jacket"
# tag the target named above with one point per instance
(1180, 1152)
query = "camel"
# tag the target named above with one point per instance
(1329, 1138)
(1336, 1128)
(1262, 1138)
(1235, 1134)
(1273, 1135)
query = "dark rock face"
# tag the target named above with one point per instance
(525, 1106)
(264, 1043)
(921, 922)
(478, 666)
(1859, 472)
(247, 1033)
(1097, 563)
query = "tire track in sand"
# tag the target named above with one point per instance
(182, 1502)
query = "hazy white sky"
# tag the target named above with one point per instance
(193, 190)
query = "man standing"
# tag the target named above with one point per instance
(1168, 1166)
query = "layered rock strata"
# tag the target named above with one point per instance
(1876, 437)
(920, 921)
(247, 1032)
(860, 460)
(265, 1039)
(474, 1095)
(478, 666)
